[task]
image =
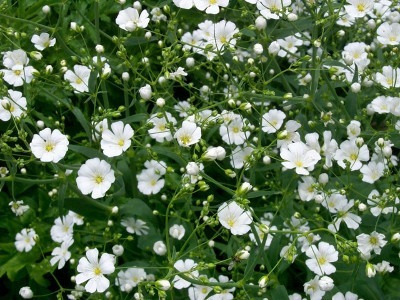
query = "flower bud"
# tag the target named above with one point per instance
(114, 210)
(261, 23)
(258, 48)
(355, 87)
(263, 281)
(125, 76)
(292, 17)
(192, 168)
(282, 135)
(244, 188)
(160, 248)
(118, 250)
(190, 62)
(395, 237)
(46, 9)
(323, 178)
(163, 284)
(362, 207)
(145, 92)
(26, 292)
(326, 283)
(266, 160)
(99, 48)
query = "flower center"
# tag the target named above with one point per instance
(231, 222)
(373, 240)
(78, 81)
(299, 164)
(66, 228)
(321, 260)
(392, 38)
(153, 182)
(97, 271)
(361, 7)
(49, 147)
(212, 2)
(98, 179)
(235, 129)
(353, 156)
(121, 142)
(223, 39)
(17, 72)
(185, 139)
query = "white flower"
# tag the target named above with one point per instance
(389, 34)
(163, 284)
(18, 207)
(63, 229)
(353, 129)
(135, 226)
(149, 182)
(42, 41)
(210, 6)
(312, 289)
(299, 156)
(14, 105)
(185, 4)
(383, 267)
(347, 296)
(272, 121)
(320, 258)
(371, 242)
(232, 132)
(234, 218)
(92, 270)
(372, 172)
(78, 219)
(129, 19)
(274, 48)
(289, 253)
(118, 250)
(130, 278)
(177, 231)
(61, 254)
(17, 70)
(79, 78)
(199, 292)
(382, 104)
(226, 294)
(26, 292)
(99, 127)
(390, 77)
(359, 8)
(222, 35)
(49, 146)
(161, 132)
(180, 72)
(192, 168)
(292, 135)
(187, 267)
(159, 248)
(118, 140)
(95, 177)
(271, 9)
(306, 189)
(289, 45)
(188, 134)
(351, 220)
(214, 153)
(25, 240)
(381, 204)
(350, 153)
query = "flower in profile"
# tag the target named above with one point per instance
(61, 254)
(92, 270)
(117, 140)
(234, 218)
(14, 105)
(312, 289)
(177, 231)
(390, 77)
(95, 177)
(186, 267)
(161, 131)
(136, 226)
(188, 134)
(79, 78)
(129, 19)
(300, 157)
(42, 41)
(49, 146)
(25, 240)
(320, 258)
(18, 207)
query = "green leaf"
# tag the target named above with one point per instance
(279, 293)
(87, 207)
(88, 152)
(61, 196)
(136, 207)
(82, 120)
(135, 118)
